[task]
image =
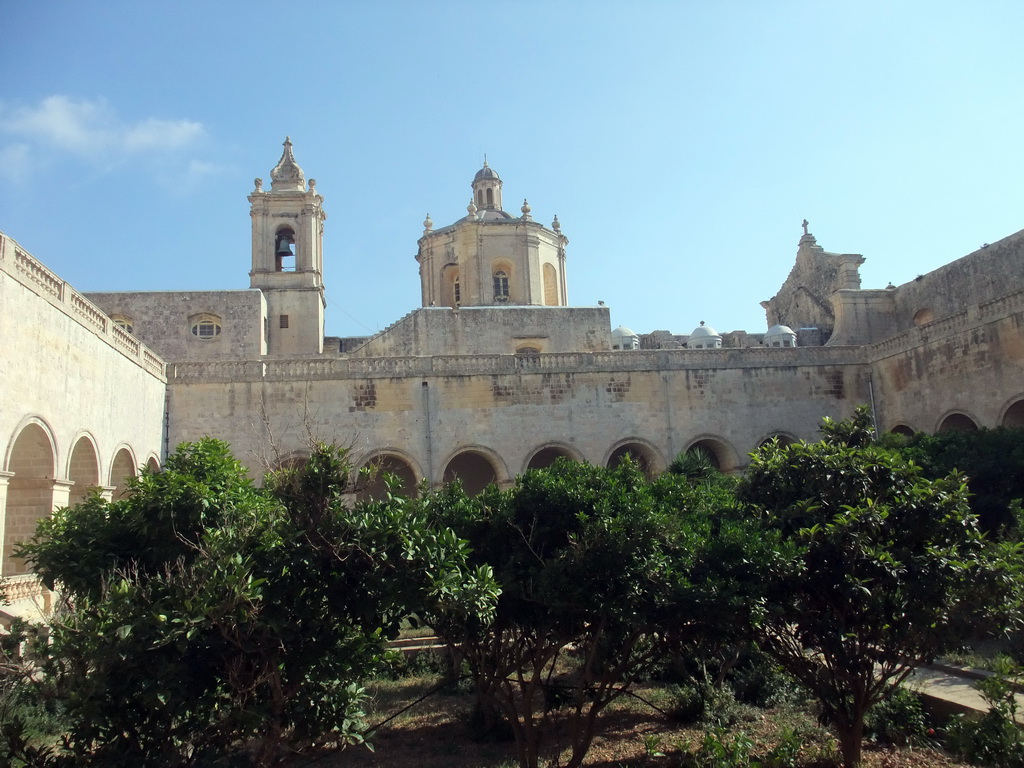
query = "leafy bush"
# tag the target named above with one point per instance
(898, 719)
(994, 738)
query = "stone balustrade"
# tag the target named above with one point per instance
(27, 270)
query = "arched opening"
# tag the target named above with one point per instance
(83, 470)
(1014, 416)
(545, 457)
(638, 453)
(490, 197)
(284, 250)
(500, 286)
(29, 492)
(550, 286)
(957, 422)
(479, 198)
(375, 489)
(153, 465)
(780, 437)
(902, 429)
(121, 471)
(124, 322)
(923, 316)
(474, 470)
(718, 452)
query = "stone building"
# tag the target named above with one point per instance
(495, 373)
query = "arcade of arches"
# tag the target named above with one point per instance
(32, 486)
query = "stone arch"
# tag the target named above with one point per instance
(83, 469)
(476, 467)
(546, 455)
(902, 429)
(647, 457)
(395, 463)
(721, 453)
(291, 460)
(501, 281)
(957, 421)
(31, 461)
(450, 286)
(923, 316)
(122, 468)
(550, 285)
(153, 463)
(1013, 414)
(784, 439)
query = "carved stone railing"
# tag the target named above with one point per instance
(32, 274)
(1010, 304)
(469, 365)
(22, 587)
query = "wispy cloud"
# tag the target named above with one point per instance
(91, 130)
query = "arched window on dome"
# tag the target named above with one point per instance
(490, 197)
(479, 198)
(500, 286)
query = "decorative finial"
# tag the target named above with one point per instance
(287, 175)
(471, 208)
(555, 225)
(485, 159)
(427, 224)
(258, 183)
(702, 322)
(805, 226)
(526, 210)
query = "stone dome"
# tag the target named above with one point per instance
(624, 338)
(704, 337)
(779, 336)
(486, 173)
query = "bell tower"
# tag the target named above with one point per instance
(287, 258)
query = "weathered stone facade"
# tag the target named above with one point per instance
(502, 376)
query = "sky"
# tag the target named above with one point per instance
(680, 144)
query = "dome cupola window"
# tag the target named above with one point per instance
(704, 337)
(624, 338)
(779, 336)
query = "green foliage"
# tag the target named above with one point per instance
(721, 749)
(600, 568)
(897, 719)
(215, 622)
(881, 561)
(994, 739)
(993, 462)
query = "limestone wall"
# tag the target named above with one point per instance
(163, 320)
(492, 330)
(509, 407)
(71, 379)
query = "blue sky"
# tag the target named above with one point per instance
(679, 143)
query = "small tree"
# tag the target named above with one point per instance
(595, 564)
(883, 559)
(209, 619)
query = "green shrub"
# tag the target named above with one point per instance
(898, 719)
(993, 739)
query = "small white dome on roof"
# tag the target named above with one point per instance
(704, 337)
(624, 338)
(779, 336)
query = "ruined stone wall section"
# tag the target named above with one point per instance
(803, 300)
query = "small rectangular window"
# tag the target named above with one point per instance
(284, 321)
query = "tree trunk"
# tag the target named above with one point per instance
(851, 737)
